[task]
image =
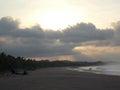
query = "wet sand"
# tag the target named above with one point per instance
(59, 79)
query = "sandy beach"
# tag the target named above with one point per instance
(59, 79)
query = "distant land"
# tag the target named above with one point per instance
(9, 62)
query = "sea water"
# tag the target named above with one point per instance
(109, 69)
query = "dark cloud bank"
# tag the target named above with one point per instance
(36, 42)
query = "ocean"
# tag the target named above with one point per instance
(108, 69)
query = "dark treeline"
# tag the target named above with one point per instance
(8, 62)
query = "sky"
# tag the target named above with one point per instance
(82, 30)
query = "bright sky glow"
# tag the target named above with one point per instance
(58, 19)
(55, 14)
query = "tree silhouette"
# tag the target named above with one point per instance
(11, 63)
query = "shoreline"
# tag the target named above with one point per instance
(92, 71)
(60, 79)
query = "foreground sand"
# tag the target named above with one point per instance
(59, 79)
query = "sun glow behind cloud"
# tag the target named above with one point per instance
(62, 12)
(58, 19)
(54, 15)
(103, 52)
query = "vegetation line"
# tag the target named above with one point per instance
(10, 63)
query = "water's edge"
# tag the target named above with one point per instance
(112, 69)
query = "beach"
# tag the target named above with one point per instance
(59, 79)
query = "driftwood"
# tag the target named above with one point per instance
(23, 72)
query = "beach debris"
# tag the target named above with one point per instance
(19, 72)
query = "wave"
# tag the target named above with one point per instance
(109, 69)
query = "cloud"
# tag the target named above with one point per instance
(116, 40)
(83, 32)
(37, 42)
